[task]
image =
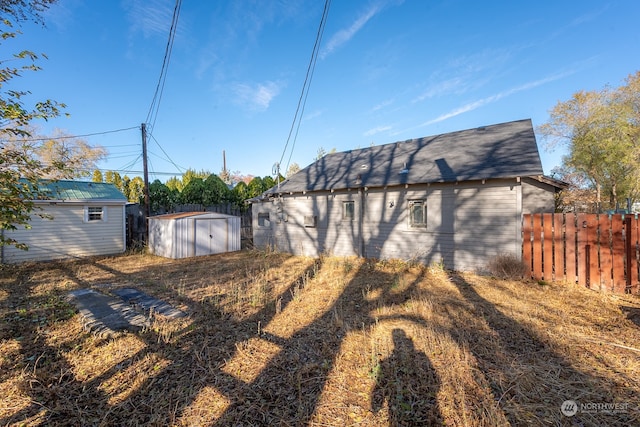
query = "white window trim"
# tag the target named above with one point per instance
(268, 219)
(344, 210)
(103, 216)
(423, 202)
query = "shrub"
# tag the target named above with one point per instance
(507, 266)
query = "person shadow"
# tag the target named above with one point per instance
(407, 381)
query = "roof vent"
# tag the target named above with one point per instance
(404, 170)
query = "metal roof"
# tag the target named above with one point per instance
(81, 191)
(179, 215)
(502, 150)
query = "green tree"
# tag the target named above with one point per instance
(255, 187)
(191, 174)
(161, 197)
(135, 190)
(600, 131)
(20, 173)
(268, 182)
(174, 184)
(216, 191)
(124, 187)
(240, 193)
(193, 192)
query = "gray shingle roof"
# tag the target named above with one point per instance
(503, 150)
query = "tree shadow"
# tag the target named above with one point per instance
(407, 381)
(288, 388)
(47, 390)
(505, 344)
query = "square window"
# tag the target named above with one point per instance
(417, 213)
(95, 213)
(348, 211)
(263, 219)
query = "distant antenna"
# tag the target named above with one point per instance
(275, 171)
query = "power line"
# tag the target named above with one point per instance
(167, 155)
(307, 82)
(157, 96)
(76, 136)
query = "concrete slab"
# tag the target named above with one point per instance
(104, 315)
(147, 303)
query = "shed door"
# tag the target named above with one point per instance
(211, 236)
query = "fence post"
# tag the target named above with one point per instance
(587, 259)
(627, 251)
(526, 242)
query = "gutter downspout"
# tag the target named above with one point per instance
(361, 223)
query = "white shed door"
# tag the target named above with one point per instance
(211, 236)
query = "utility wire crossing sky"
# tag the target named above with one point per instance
(385, 71)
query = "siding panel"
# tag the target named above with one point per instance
(68, 236)
(466, 223)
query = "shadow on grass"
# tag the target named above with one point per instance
(287, 390)
(408, 383)
(520, 368)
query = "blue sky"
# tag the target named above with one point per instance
(387, 71)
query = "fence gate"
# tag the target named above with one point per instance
(599, 251)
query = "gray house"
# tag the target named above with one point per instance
(83, 219)
(456, 198)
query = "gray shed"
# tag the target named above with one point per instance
(189, 234)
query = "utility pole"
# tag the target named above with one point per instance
(145, 171)
(224, 162)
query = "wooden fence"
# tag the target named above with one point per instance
(137, 223)
(599, 251)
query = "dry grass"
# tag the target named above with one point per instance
(274, 339)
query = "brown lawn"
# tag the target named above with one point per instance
(274, 339)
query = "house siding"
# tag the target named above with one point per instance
(466, 223)
(538, 197)
(67, 235)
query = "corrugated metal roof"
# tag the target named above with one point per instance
(503, 150)
(177, 215)
(81, 191)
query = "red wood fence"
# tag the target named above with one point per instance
(598, 251)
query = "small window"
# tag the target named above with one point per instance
(348, 211)
(94, 213)
(417, 213)
(263, 220)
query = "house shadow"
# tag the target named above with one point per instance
(408, 383)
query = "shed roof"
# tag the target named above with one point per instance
(179, 215)
(502, 150)
(82, 191)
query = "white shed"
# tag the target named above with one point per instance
(189, 234)
(81, 219)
